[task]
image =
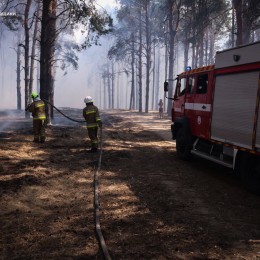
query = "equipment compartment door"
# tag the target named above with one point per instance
(234, 109)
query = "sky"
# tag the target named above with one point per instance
(106, 3)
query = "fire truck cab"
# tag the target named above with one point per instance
(215, 112)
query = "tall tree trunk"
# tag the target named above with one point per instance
(126, 93)
(157, 76)
(166, 62)
(173, 27)
(201, 50)
(136, 85)
(48, 37)
(148, 53)
(18, 74)
(233, 26)
(100, 91)
(104, 83)
(206, 51)
(186, 41)
(33, 50)
(239, 12)
(193, 47)
(38, 75)
(132, 95)
(140, 62)
(153, 95)
(186, 51)
(247, 24)
(113, 85)
(108, 87)
(118, 89)
(52, 90)
(171, 54)
(26, 55)
(211, 48)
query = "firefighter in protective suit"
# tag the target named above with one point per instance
(91, 115)
(37, 108)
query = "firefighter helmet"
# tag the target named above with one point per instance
(88, 99)
(34, 95)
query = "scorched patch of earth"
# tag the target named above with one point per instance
(156, 206)
(46, 194)
(153, 205)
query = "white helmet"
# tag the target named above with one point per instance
(88, 99)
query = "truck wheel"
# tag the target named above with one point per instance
(183, 145)
(250, 172)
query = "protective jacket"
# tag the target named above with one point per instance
(91, 115)
(38, 109)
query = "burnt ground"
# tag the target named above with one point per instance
(153, 205)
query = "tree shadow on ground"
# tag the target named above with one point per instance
(191, 205)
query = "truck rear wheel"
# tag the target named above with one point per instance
(183, 145)
(250, 172)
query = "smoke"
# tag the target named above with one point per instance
(8, 96)
(70, 89)
(68, 113)
(12, 119)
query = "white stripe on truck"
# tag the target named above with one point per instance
(198, 107)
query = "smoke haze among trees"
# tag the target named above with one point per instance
(123, 66)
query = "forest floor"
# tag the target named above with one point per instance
(153, 205)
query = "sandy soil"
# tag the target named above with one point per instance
(153, 205)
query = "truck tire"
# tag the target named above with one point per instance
(249, 172)
(183, 146)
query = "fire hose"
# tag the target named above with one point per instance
(78, 121)
(96, 201)
(96, 205)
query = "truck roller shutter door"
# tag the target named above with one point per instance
(234, 109)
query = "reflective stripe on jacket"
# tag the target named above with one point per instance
(91, 115)
(38, 110)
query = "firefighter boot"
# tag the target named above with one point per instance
(93, 150)
(42, 139)
(36, 139)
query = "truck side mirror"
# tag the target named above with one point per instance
(166, 86)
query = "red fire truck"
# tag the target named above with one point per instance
(215, 112)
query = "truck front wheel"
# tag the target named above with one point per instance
(183, 145)
(250, 172)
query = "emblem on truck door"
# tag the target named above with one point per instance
(199, 120)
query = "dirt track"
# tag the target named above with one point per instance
(153, 206)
